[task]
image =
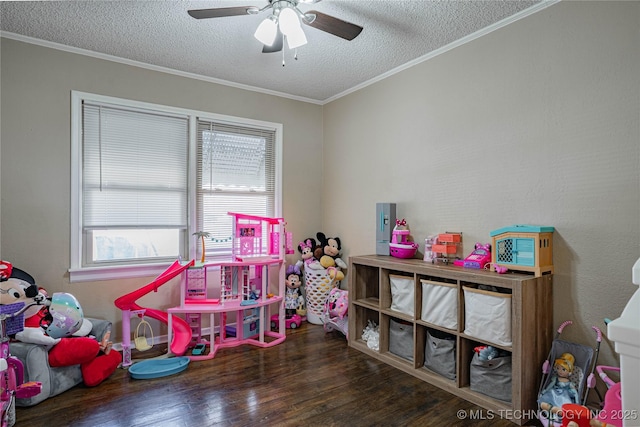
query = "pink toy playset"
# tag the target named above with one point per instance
(401, 246)
(612, 405)
(240, 313)
(479, 259)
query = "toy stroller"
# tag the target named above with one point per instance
(567, 376)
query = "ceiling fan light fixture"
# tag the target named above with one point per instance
(288, 21)
(296, 38)
(309, 17)
(266, 31)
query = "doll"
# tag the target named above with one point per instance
(560, 389)
(293, 295)
(306, 249)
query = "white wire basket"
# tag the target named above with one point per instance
(318, 284)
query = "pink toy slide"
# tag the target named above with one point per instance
(180, 328)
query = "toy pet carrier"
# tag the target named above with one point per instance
(567, 376)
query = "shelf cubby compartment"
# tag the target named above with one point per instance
(492, 378)
(363, 317)
(366, 286)
(439, 303)
(401, 341)
(399, 295)
(487, 314)
(438, 351)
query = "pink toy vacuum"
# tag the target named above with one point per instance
(400, 246)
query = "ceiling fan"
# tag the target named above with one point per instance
(284, 21)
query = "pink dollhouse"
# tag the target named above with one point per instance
(249, 286)
(247, 291)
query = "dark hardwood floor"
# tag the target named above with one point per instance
(312, 379)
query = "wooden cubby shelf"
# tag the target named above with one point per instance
(531, 324)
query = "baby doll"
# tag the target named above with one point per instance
(293, 295)
(560, 389)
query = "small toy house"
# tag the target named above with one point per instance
(524, 248)
(248, 236)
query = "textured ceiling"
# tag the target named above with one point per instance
(396, 33)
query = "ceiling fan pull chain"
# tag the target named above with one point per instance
(295, 54)
(283, 57)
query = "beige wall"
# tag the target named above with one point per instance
(35, 217)
(535, 123)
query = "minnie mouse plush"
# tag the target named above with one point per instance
(294, 300)
(307, 248)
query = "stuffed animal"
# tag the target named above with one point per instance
(337, 303)
(486, 352)
(328, 252)
(307, 249)
(59, 324)
(293, 295)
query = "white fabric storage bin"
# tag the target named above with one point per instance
(487, 315)
(402, 293)
(440, 304)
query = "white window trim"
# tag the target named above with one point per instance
(77, 273)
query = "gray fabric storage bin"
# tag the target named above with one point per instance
(491, 377)
(440, 353)
(401, 339)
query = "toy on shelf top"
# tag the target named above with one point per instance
(527, 248)
(445, 247)
(479, 258)
(401, 245)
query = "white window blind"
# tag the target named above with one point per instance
(236, 170)
(134, 184)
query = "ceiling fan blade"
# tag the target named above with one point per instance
(222, 12)
(331, 25)
(277, 44)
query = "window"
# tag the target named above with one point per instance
(146, 177)
(235, 173)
